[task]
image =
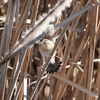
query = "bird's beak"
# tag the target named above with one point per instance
(38, 42)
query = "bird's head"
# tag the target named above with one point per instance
(46, 45)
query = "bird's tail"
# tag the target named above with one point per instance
(54, 67)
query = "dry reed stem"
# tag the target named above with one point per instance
(15, 77)
(34, 11)
(5, 44)
(91, 55)
(74, 85)
(20, 22)
(76, 92)
(24, 70)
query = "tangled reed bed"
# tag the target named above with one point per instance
(76, 26)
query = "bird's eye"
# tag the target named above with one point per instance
(44, 43)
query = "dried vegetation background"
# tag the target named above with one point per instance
(78, 46)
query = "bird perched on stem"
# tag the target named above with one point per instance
(45, 48)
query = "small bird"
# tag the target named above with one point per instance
(45, 48)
